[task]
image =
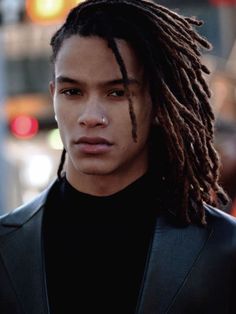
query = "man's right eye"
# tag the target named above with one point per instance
(72, 92)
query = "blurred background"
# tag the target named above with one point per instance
(30, 145)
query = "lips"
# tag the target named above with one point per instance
(93, 140)
(93, 145)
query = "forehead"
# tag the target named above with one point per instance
(91, 56)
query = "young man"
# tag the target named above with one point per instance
(130, 225)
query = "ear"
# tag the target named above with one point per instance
(52, 87)
(155, 121)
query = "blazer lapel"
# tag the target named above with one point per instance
(172, 255)
(22, 255)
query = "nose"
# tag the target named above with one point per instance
(92, 115)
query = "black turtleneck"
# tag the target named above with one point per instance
(96, 248)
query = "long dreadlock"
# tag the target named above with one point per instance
(170, 49)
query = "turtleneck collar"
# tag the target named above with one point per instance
(141, 184)
(133, 199)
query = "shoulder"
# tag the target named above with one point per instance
(25, 212)
(221, 223)
(217, 216)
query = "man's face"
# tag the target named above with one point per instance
(92, 110)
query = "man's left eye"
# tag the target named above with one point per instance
(117, 93)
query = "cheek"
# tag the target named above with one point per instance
(65, 115)
(61, 107)
(64, 124)
(144, 120)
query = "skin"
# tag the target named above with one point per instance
(90, 106)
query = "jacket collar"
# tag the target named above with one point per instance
(23, 213)
(22, 254)
(173, 254)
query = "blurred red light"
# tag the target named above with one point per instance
(24, 126)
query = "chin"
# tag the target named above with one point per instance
(94, 166)
(96, 170)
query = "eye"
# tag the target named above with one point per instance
(117, 93)
(72, 92)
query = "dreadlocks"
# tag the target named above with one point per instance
(169, 48)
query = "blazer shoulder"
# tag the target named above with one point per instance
(220, 220)
(218, 215)
(23, 213)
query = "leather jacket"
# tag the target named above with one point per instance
(189, 269)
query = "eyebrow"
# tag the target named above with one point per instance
(65, 79)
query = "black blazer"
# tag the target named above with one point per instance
(190, 270)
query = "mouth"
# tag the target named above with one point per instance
(93, 141)
(93, 145)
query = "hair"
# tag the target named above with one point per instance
(169, 47)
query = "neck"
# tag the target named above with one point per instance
(102, 185)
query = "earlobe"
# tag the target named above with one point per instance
(156, 121)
